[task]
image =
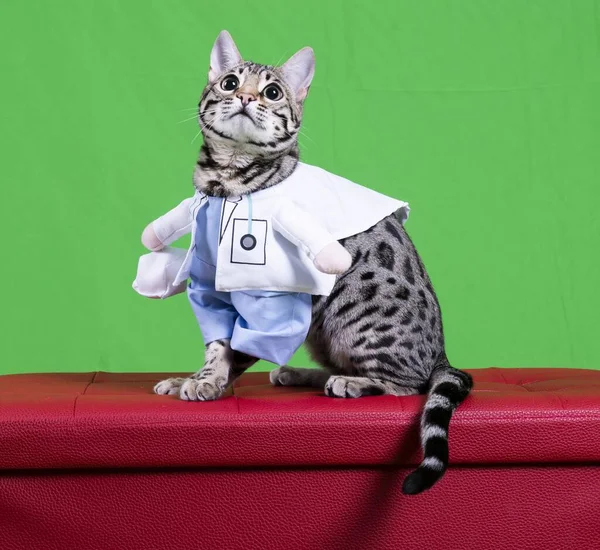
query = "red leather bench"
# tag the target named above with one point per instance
(96, 461)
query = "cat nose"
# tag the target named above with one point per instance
(246, 98)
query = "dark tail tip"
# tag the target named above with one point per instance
(420, 480)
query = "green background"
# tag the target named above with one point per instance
(484, 115)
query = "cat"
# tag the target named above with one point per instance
(380, 330)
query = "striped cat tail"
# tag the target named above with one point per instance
(448, 387)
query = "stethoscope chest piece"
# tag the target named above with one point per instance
(248, 241)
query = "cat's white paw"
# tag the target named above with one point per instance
(170, 386)
(201, 390)
(333, 259)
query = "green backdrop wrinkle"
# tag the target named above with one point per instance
(484, 115)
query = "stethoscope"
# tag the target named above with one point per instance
(248, 241)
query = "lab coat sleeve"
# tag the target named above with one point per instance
(175, 223)
(300, 228)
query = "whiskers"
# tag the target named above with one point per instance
(260, 118)
(194, 138)
(191, 112)
(283, 56)
(207, 126)
(298, 134)
(305, 135)
(195, 117)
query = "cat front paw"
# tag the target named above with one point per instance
(202, 390)
(170, 386)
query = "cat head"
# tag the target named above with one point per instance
(251, 105)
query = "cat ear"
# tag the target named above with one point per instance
(299, 70)
(223, 56)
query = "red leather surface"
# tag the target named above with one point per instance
(114, 420)
(493, 508)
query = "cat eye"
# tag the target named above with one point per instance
(230, 83)
(273, 92)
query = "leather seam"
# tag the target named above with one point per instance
(83, 393)
(92, 381)
(292, 420)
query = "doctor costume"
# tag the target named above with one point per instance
(250, 261)
(265, 324)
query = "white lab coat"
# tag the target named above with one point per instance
(291, 223)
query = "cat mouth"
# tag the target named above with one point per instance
(243, 113)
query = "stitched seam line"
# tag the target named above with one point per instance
(83, 393)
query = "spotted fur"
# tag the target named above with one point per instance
(380, 330)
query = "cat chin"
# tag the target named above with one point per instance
(245, 130)
(246, 127)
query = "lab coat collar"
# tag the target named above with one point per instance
(229, 207)
(200, 195)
